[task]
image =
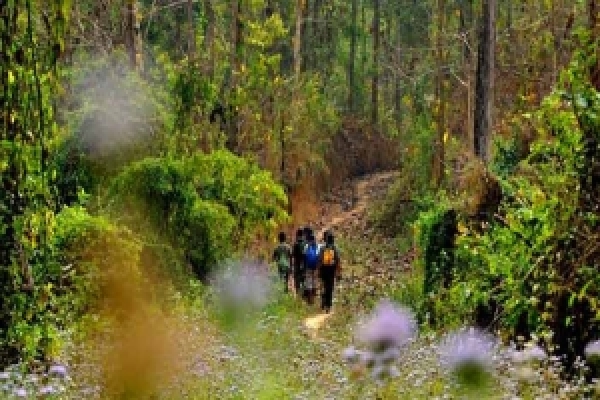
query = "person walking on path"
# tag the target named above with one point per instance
(311, 257)
(282, 255)
(298, 261)
(329, 270)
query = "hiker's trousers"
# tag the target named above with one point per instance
(298, 278)
(328, 279)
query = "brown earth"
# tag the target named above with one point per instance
(371, 261)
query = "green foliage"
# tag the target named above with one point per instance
(207, 205)
(530, 270)
(27, 78)
(83, 251)
(411, 193)
(435, 231)
(74, 173)
(506, 156)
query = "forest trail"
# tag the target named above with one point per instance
(344, 211)
(204, 357)
(346, 204)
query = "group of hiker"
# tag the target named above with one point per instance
(307, 262)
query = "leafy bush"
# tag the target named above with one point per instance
(435, 231)
(530, 269)
(207, 205)
(83, 251)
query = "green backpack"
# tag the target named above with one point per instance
(283, 259)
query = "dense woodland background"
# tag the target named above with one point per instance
(151, 140)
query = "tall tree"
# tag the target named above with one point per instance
(375, 81)
(132, 34)
(298, 37)
(192, 29)
(352, 57)
(484, 89)
(440, 89)
(595, 35)
(209, 35)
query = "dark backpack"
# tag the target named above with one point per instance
(312, 256)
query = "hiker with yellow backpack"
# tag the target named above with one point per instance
(329, 270)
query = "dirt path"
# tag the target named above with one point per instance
(358, 196)
(345, 210)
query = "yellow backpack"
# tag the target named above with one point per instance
(329, 257)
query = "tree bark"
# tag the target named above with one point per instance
(438, 154)
(298, 38)
(352, 60)
(209, 36)
(595, 34)
(375, 82)
(132, 34)
(235, 34)
(484, 90)
(192, 30)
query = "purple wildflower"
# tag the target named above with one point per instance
(389, 326)
(20, 392)
(530, 353)
(47, 390)
(469, 355)
(592, 350)
(351, 355)
(58, 371)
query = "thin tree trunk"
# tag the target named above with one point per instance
(209, 36)
(298, 38)
(375, 82)
(316, 43)
(595, 29)
(484, 90)
(352, 60)
(438, 154)
(192, 30)
(364, 36)
(235, 33)
(132, 34)
(398, 52)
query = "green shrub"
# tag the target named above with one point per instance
(208, 205)
(435, 231)
(83, 250)
(532, 269)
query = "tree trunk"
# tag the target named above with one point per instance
(365, 51)
(132, 34)
(595, 34)
(298, 38)
(235, 34)
(438, 154)
(317, 40)
(375, 82)
(192, 30)
(484, 90)
(352, 60)
(209, 36)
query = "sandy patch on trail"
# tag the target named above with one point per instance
(315, 322)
